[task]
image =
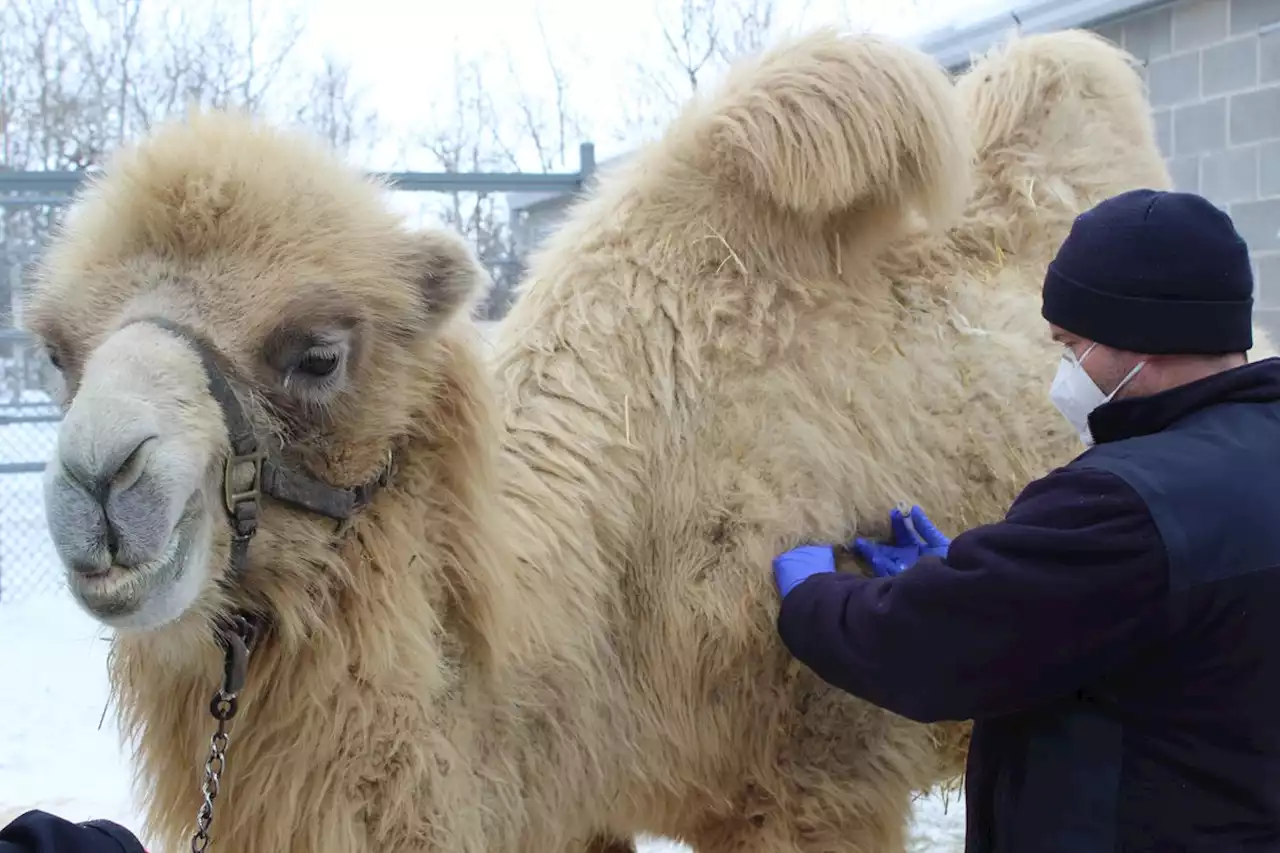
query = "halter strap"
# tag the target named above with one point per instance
(268, 476)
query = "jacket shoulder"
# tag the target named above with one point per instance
(1210, 484)
(1075, 495)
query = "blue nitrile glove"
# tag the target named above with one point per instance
(791, 567)
(907, 546)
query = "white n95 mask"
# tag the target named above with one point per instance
(1075, 395)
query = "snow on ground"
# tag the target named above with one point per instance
(57, 750)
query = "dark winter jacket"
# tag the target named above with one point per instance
(1116, 638)
(40, 832)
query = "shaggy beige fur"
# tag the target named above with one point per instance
(555, 628)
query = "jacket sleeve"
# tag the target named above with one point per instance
(40, 832)
(1070, 585)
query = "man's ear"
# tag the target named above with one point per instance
(450, 278)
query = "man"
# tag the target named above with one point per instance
(1116, 638)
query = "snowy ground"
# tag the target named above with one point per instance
(57, 751)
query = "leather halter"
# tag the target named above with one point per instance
(269, 476)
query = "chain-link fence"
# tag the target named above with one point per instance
(30, 204)
(28, 415)
(28, 432)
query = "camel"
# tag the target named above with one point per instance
(433, 599)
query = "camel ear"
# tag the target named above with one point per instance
(449, 276)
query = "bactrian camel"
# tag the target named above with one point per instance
(455, 601)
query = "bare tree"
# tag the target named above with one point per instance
(537, 128)
(500, 122)
(698, 40)
(78, 77)
(458, 139)
(336, 111)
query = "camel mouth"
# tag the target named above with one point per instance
(127, 596)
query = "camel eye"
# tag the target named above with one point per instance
(314, 375)
(320, 362)
(55, 358)
(310, 362)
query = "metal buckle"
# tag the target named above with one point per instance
(230, 497)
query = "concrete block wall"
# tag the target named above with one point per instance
(1213, 78)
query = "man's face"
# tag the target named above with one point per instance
(1107, 367)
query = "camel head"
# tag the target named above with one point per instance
(229, 308)
(1072, 107)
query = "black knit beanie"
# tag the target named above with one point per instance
(1156, 273)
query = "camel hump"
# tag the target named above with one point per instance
(826, 123)
(1064, 88)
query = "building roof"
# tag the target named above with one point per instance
(535, 201)
(954, 46)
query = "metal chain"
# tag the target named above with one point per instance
(237, 639)
(223, 709)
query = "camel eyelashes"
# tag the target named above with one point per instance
(315, 374)
(320, 362)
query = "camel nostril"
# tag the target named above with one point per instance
(132, 467)
(115, 471)
(113, 541)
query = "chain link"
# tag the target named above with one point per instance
(215, 765)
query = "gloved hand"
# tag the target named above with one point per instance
(907, 546)
(792, 567)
